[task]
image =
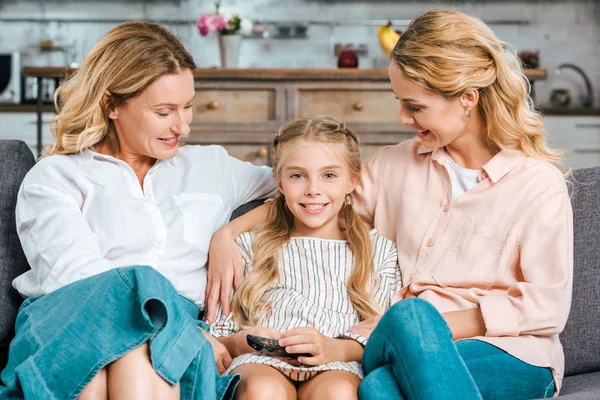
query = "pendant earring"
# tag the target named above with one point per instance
(468, 113)
(348, 200)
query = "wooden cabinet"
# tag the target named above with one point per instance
(224, 109)
(242, 109)
(244, 113)
(373, 103)
(256, 153)
(228, 103)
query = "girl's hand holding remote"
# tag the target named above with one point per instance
(324, 349)
(241, 343)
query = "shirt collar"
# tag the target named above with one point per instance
(84, 157)
(502, 163)
(496, 168)
(88, 155)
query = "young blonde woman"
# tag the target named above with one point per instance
(479, 209)
(115, 223)
(307, 281)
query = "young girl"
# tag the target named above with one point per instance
(308, 281)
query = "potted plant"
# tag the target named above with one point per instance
(228, 30)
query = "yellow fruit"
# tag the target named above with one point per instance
(387, 38)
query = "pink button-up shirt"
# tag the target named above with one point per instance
(505, 246)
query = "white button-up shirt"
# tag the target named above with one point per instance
(84, 214)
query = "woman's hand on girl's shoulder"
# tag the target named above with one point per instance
(365, 328)
(225, 270)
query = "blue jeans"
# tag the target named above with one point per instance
(64, 338)
(411, 355)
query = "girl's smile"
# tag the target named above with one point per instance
(315, 208)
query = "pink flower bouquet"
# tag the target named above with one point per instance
(210, 23)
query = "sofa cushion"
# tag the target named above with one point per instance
(581, 387)
(244, 208)
(580, 337)
(15, 160)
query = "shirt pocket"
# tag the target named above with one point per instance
(201, 214)
(473, 259)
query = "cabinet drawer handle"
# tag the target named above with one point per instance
(358, 106)
(587, 125)
(263, 152)
(589, 150)
(213, 105)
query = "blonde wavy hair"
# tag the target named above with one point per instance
(249, 304)
(451, 53)
(123, 63)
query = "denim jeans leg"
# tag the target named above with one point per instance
(414, 339)
(380, 384)
(500, 376)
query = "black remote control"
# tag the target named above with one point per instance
(271, 347)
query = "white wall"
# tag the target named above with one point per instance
(563, 31)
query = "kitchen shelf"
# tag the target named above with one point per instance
(25, 108)
(276, 36)
(592, 112)
(342, 74)
(178, 21)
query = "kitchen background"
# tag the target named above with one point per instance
(304, 34)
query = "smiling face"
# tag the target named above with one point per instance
(315, 179)
(151, 124)
(437, 120)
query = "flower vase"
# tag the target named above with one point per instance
(229, 45)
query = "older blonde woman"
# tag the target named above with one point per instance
(479, 210)
(116, 222)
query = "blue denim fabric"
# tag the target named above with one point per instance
(64, 338)
(411, 355)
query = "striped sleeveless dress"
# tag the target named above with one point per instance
(310, 291)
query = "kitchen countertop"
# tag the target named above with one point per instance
(272, 73)
(25, 108)
(575, 112)
(564, 112)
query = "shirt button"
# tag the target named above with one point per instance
(159, 242)
(430, 242)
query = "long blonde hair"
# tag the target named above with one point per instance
(249, 305)
(123, 63)
(450, 53)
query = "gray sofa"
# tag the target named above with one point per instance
(580, 338)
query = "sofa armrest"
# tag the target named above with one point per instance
(16, 159)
